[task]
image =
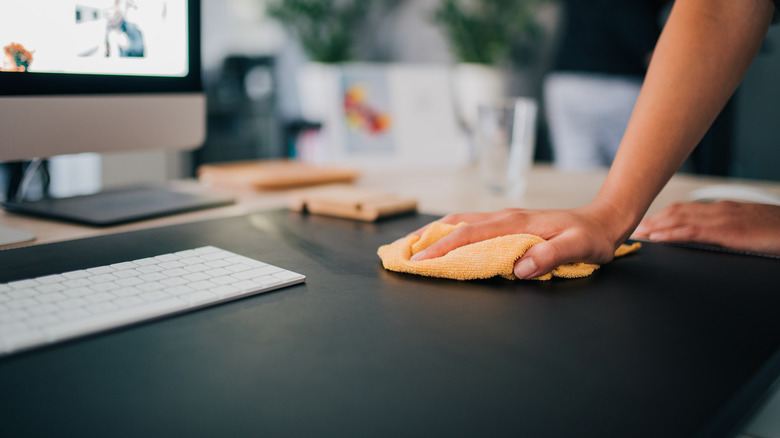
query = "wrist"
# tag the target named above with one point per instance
(616, 221)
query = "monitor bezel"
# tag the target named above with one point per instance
(53, 84)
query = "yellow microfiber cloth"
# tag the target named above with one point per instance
(485, 259)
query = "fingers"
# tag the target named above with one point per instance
(480, 226)
(442, 247)
(683, 233)
(691, 222)
(454, 219)
(681, 222)
(464, 235)
(673, 216)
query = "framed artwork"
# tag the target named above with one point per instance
(377, 115)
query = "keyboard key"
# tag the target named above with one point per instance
(154, 296)
(174, 281)
(101, 270)
(179, 290)
(126, 292)
(50, 287)
(73, 314)
(78, 292)
(49, 279)
(224, 279)
(21, 303)
(129, 301)
(150, 286)
(195, 277)
(175, 272)
(203, 285)
(103, 278)
(77, 282)
(197, 267)
(240, 267)
(72, 303)
(199, 297)
(168, 257)
(129, 281)
(20, 293)
(146, 262)
(287, 275)
(123, 266)
(105, 287)
(43, 309)
(73, 275)
(255, 273)
(23, 284)
(99, 297)
(226, 290)
(13, 315)
(51, 297)
(217, 263)
(126, 273)
(103, 307)
(42, 320)
(171, 265)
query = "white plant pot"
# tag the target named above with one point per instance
(475, 84)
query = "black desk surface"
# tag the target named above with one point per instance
(670, 342)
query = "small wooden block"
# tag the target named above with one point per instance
(350, 202)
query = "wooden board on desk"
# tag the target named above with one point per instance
(273, 174)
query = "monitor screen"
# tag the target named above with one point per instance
(122, 37)
(99, 76)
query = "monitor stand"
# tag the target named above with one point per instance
(114, 207)
(10, 236)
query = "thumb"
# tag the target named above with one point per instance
(545, 256)
(540, 259)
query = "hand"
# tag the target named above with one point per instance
(735, 225)
(577, 235)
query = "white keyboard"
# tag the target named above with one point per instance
(52, 308)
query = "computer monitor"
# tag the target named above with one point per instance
(99, 76)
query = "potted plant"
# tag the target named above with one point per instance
(487, 38)
(327, 29)
(490, 32)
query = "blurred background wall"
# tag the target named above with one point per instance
(240, 36)
(251, 60)
(756, 139)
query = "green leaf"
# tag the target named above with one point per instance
(327, 29)
(490, 31)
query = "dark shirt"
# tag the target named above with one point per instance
(776, 17)
(609, 36)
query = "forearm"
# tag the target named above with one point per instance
(704, 51)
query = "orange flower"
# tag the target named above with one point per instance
(20, 57)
